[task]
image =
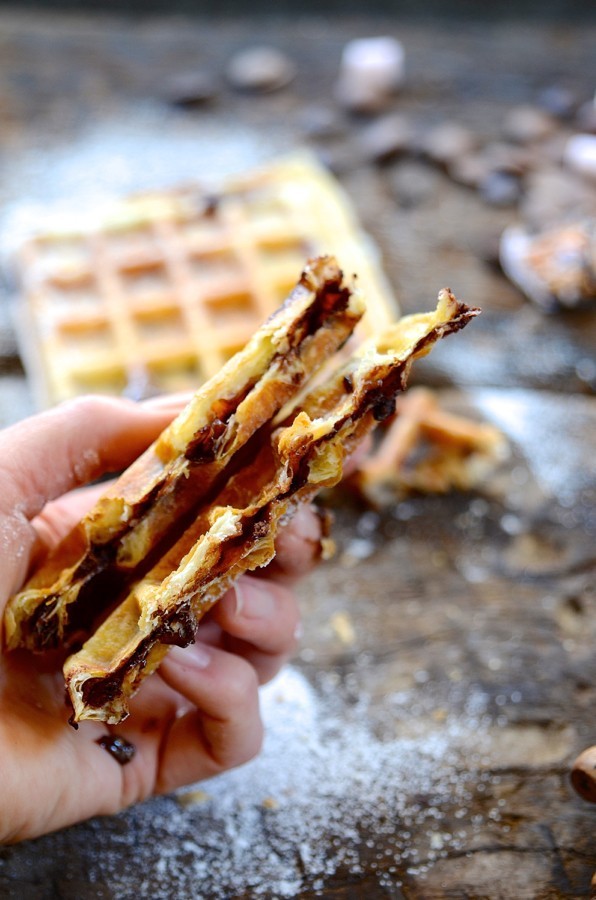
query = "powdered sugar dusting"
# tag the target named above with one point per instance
(86, 465)
(547, 433)
(325, 796)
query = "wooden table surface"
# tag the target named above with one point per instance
(420, 743)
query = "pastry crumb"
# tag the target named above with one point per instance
(193, 798)
(343, 628)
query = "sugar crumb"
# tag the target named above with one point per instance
(326, 795)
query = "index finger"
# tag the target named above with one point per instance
(47, 455)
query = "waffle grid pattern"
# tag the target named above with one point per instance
(158, 296)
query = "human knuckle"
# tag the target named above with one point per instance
(241, 684)
(251, 747)
(227, 753)
(291, 611)
(88, 406)
(138, 783)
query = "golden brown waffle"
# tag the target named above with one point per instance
(185, 463)
(428, 450)
(235, 532)
(555, 268)
(157, 295)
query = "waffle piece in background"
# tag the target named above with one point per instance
(555, 268)
(428, 450)
(157, 295)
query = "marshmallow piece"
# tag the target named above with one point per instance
(260, 70)
(379, 59)
(580, 154)
(371, 70)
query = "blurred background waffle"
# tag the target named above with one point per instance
(160, 291)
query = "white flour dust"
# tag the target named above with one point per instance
(324, 796)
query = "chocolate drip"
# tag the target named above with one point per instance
(41, 625)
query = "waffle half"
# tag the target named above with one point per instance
(301, 452)
(186, 464)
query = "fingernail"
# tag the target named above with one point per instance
(197, 656)
(298, 631)
(253, 599)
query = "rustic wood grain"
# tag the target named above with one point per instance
(488, 594)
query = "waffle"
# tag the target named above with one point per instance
(160, 292)
(428, 450)
(555, 268)
(184, 464)
(302, 452)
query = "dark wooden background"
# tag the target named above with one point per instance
(488, 592)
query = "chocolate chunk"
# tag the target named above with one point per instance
(501, 189)
(525, 124)
(189, 89)
(448, 142)
(204, 446)
(260, 70)
(118, 747)
(470, 169)
(321, 122)
(515, 160)
(386, 138)
(180, 628)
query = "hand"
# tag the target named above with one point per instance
(199, 714)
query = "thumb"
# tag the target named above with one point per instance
(43, 457)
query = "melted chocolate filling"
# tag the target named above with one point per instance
(331, 298)
(40, 625)
(204, 446)
(180, 626)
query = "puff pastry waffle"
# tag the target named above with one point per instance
(160, 292)
(289, 453)
(235, 533)
(184, 464)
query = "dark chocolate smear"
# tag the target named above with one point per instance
(383, 408)
(203, 447)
